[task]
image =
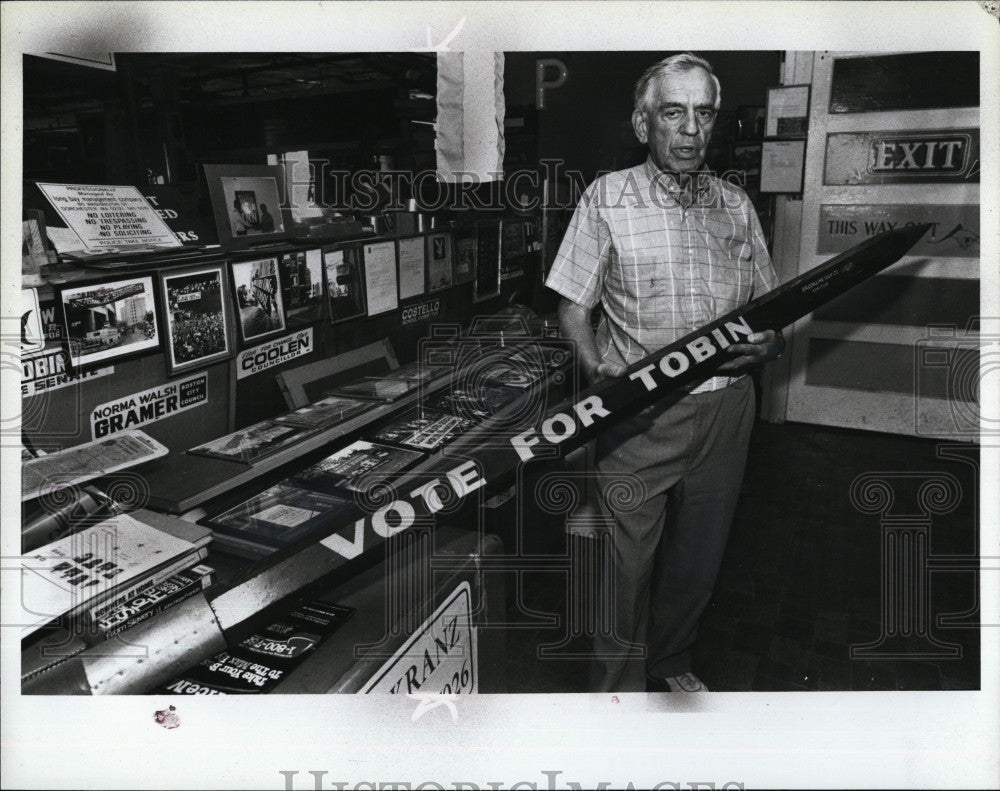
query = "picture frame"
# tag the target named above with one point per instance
(197, 314)
(247, 202)
(344, 275)
(464, 254)
(253, 443)
(787, 114)
(302, 286)
(440, 264)
(783, 164)
(257, 284)
(411, 259)
(486, 277)
(109, 320)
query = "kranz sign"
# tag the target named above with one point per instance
(148, 406)
(268, 355)
(439, 657)
(906, 157)
(423, 311)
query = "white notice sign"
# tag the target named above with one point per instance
(109, 218)
(440, 657)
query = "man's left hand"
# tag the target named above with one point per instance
(760, 347)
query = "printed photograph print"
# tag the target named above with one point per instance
(357, 467)
(197, 316)
(253, 205)
(246, 203)
(253, 442)
(302, 286)
(111, 320)
(257, 286)
(439, 266)
(344, 270)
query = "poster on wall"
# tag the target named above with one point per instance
(148, 406)
(197, 316)
(380, 277)
(302, 286)
(50, 368)
(110, 320)
(787, 111)
(465, 255)
(782, 165)
(954, 231)
(948, 156)
(109, 218)
(258, 298)
(345, 290)
(32, 331)
(439, 265)
(412, 267)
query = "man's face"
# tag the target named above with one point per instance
(678, 120)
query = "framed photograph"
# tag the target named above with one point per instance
(464, 254)
(357, 467)
(440, 272)
(412, 267)
(254, 442)
(783, 166)
(344, 271)
(279, 515)
(257, 286)
(376, 388)
(749, 122)
(787, 111)
(747, 159)
(302, 286)
(326, 412)
(110, 320)
(486, 279)
(197, 317)
(247, 201)
(419, 371)
(513, 239)
(423, 429)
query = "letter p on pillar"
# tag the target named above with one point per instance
(542, 84)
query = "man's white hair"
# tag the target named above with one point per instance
(675, 64)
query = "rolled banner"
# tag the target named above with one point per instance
(325, 556)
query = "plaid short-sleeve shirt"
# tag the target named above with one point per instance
(660, 268)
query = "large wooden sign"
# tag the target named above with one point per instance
(227, 612)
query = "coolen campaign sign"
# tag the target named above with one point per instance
(268, 355)
(151, 405)
(902, 157)
(954, 231)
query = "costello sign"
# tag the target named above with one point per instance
(891, 157)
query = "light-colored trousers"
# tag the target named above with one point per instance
(690, 457)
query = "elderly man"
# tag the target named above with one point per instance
(665, 248)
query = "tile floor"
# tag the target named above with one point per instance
(800, 583)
